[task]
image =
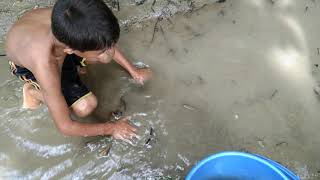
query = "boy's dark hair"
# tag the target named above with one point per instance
(84, 25)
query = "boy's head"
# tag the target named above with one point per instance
(85, 26)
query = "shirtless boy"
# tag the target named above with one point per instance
(45, 46)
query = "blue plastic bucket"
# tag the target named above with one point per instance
(239, 166)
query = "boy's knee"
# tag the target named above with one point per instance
(85, 106)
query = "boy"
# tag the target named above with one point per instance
(44, 48)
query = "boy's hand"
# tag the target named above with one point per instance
(142, 75)
(123, 130)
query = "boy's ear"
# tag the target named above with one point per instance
(68, 50)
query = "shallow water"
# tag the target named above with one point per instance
(231, 76)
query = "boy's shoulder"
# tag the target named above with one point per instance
(32, 23)
(29, 34)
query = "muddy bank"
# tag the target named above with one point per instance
(129, 12)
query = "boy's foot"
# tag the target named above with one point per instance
(29, 101)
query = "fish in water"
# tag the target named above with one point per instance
(105, 151)
(189, 107)
(117, 114)
(140, 2)
(151, 136)
(151, 131)
(317, 90)
(141, 65)
(221, 1)
(148, 141)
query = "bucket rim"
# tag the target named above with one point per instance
(233, 153)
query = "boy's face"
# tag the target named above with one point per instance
(98, 56)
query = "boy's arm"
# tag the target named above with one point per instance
(121, 60)
(49, 79)
(140, 75)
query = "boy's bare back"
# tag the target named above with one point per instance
(30, 37)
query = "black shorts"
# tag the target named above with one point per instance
(72, 87)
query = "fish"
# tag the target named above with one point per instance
(105, 151)
(148, 141)
(117, 114)
(151, 131)
(151, 136)
(139, 2)
(189, 107)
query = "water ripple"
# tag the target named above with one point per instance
(40, 150)
(56, 169)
